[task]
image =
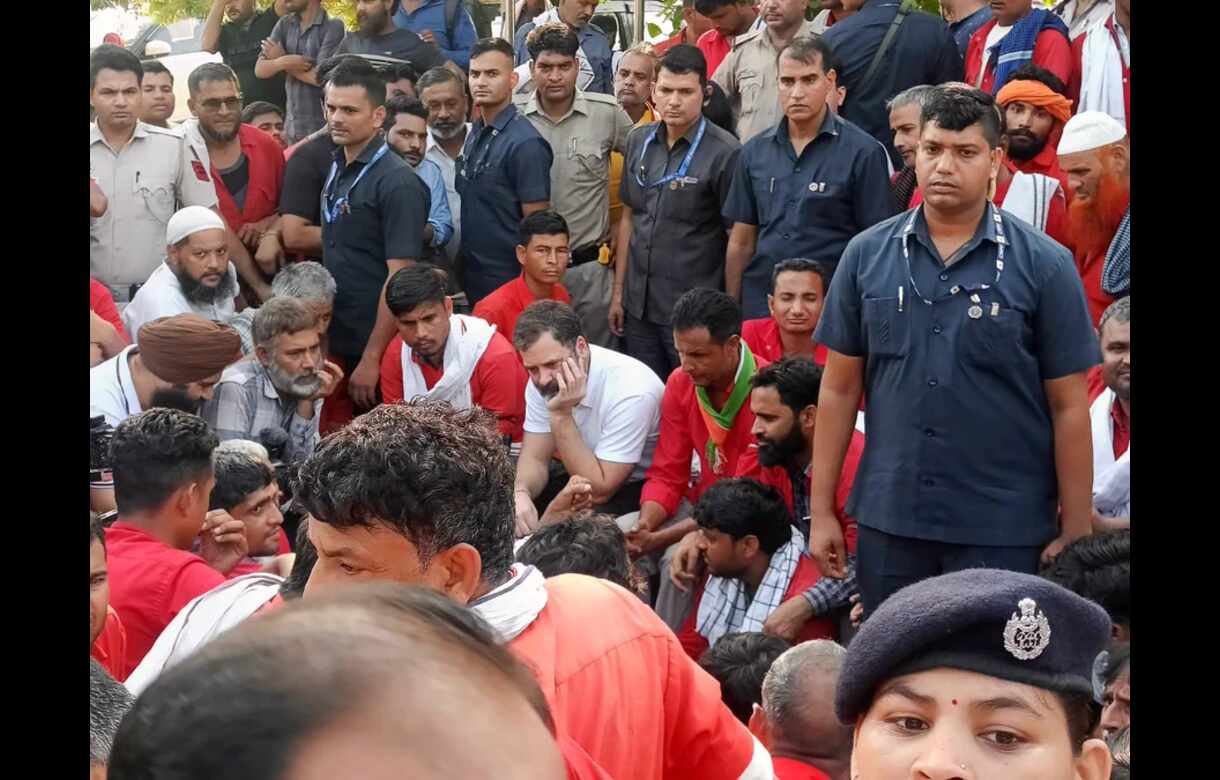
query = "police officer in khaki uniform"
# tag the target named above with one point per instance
(146, 172)
(749, 75)
(582, 129)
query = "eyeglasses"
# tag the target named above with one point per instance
(214, 104)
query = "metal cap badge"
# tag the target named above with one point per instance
(1028, 634)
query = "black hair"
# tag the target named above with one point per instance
(542, 223)
(436, 475)
(956, 108)
(156, 66)
(704, 307)
(108, 703)
(804, 47)
(401, 104)
(1031, 72)
(683, 59)
(258, 108)
(1119, 311)
(97, 531)
(1097, 567)
(238, 474)
(485, 45)
(302, 667)
(796, 379)
(306, 558)
(740, 662)
(555, 37)
(707, 7)
(803, 265)
(439, 75)
(210, 71)
(1082, 714)
(157, 452)
(357, 72)
(327, 67)
(546, 316)
(401, 70)
(413, 286)
(716, 108)
(111, 57)
(592, 545)
(741, 507)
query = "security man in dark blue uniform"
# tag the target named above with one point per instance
(503, 173)
(805, 187)
(969, 333)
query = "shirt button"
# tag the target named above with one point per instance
(937, 329)
(944, 277)
(798, 169)
(929, 432)
(787, 236)
(927, 482)
(932, 383)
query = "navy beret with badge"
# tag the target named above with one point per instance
(1004, 624)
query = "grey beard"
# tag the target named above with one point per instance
(196, 291)
(215, 137)
(293, 387)
(445, 135)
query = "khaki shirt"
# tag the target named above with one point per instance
(581, 142)
(749, 77)
(149, 179)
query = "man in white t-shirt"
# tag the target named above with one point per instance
(196, 276)
(596, 410)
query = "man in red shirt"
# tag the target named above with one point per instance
(1110, 415)
(755, 561)
(107, 637)
(694, 26)
(1017, 33)
(796, 720)
(706, 410)
(245, 487)
(1096, 156)
(421, 493)
(1101, 78)
(543, 255)
(162, 462)
(1035, 111)
(247, 165)
(107, 337)
(729, 19)
(798, 287)
(448, 357)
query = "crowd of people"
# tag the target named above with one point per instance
(752, 405)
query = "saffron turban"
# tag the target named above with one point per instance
(187, 348)
(1037, 94)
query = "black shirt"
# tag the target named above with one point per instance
(678, 237)
(400, 44)
(237, 178)
(923, 52)
(239, 47)
(385, 218)
(304, 174)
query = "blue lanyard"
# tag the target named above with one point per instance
(682, 167)
(332, 213)
(957, 288)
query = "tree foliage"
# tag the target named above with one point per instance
(169, 11)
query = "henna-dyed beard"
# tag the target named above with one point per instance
(1093, 223)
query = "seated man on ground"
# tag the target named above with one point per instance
(163, 478)
(739, 662)
(307, 281)
(107, 336)
(450, 357)
(107, 637)
(245, 488)
(196, 275)
(421, 493)
(755, 561)
(1110, 416)
(593, 409)
(587, 544)
(1116, 696)
(798, 287)
(796, 719)
(543, 255)
(368, 703)
(282, 386)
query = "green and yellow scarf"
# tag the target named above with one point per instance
(720, 422)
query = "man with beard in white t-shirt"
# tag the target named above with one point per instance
(282, 386)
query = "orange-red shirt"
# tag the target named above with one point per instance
(627, 693)
(265, 163)
(1051, 51)
(506, 302)
(1090, 267)
(102, 302)
(110, 648)
(1078, 70)
(149, 583)
(497, 384)
(803, 578)
(762, 335)
(683, 430)
(788, 769)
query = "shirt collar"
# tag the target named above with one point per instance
(126, 384)
(1118, 415)
(986, 231)
(95, 133)
(366, 153)
(319, 19)
(579, 106)
(502, 119)
(688, 136)
(432, 142)
(831, 124)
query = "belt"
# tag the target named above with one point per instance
(586, 254)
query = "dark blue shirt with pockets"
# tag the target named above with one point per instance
(959, 440)
(502, 165)
(808, 206)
